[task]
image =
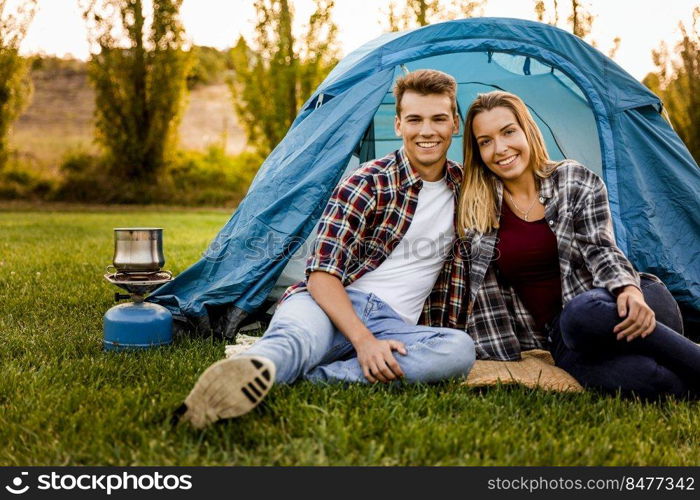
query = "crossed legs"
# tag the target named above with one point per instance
(664, 362)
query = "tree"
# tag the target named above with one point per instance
(275, 74)
(139, 71)
(15, 86)
(209, 66)
(580, 21)
(677, 83)
(414, 13)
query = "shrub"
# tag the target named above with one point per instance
(84, 180)
(208, 178)
(211, 177)
(58, 65)
(210, 66)
(21, 182)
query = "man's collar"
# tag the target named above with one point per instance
(408, 176)
(454, 174)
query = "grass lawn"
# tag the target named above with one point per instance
(63, 401)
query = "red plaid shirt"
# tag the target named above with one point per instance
(367, 216)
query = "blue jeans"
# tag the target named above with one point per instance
(303, 343)
(664, 362)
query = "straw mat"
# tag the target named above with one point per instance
(535, 369)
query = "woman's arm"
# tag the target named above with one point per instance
(593, 231)
(610, 268)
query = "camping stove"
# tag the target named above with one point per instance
(136, 268)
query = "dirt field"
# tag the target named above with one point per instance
(59, 120)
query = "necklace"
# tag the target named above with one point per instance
(525, 213)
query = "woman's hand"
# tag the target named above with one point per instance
(639, 319)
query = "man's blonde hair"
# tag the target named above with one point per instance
(425, 82)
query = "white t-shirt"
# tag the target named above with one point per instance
(404, 280)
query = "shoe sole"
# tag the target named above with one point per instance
(229, 388)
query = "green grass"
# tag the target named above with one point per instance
(63, 401)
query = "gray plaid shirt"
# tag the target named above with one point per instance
(577, 211)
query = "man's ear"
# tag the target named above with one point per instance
(455, 128)
(397, 125)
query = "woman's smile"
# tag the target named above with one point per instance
(509, 161)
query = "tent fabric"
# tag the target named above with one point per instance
(588, 107)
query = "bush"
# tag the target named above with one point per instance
(20, 182)
(210, 66)
(54, 65)
(84, 180)
(209, 178)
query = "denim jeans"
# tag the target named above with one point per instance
(665, 362)
(303, 343)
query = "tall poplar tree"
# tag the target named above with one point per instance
(414, 13)
(276, 72)
(579, 22)
(139, 72)
(15, 86)
(677, 83)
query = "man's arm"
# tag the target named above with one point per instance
(375, 356)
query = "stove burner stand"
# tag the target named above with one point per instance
(138, 324)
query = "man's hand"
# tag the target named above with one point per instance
(377, 361)
(375, 356)
(639, 320)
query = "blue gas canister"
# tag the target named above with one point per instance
(137, 325)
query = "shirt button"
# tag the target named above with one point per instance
(551, 222)
(541, 199)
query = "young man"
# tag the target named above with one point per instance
(380, 249)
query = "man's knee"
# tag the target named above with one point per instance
(461, 353)
(292, 335)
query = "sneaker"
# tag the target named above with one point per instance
(229, 388)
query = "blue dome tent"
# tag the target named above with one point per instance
(588, 108)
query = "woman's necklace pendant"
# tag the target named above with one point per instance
(525, 213)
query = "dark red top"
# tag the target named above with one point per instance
(528, 259)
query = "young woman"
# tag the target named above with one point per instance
(544, 270)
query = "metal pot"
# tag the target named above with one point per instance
(138, 249)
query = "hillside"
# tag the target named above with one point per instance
(59, 119)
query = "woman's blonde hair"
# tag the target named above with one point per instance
(477, 201)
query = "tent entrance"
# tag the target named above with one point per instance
(556, 103)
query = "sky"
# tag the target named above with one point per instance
(58, 27)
